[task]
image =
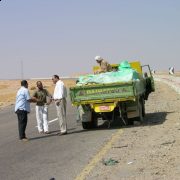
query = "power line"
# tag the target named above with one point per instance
(22, 70)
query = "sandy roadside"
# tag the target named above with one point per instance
(149, 151)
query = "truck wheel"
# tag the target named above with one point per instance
(123, 114)
(130, 121)
(92, 124)
(94, 120)
(143, 108)
(87, 125)
(140, 106)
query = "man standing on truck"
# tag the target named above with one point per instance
(104, 65)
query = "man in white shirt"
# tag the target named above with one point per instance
(59, 97)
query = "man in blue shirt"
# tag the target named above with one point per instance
(22, 108)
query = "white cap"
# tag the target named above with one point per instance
(98, 58)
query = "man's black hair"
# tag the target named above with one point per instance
(56, 76)
(24, 83)
(38, 82)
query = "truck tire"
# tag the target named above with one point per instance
(141, 110)
(92, 124)
(94, 120)
(87, 125)
(123, 114)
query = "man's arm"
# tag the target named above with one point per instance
(49, 97)
(29, 98)
(32, 100)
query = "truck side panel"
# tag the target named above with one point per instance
(101, 92)
(106, 92)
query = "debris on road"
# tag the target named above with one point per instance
(110, 162)
(131, 162)
(169, 142)
(120, 146)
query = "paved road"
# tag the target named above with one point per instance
(46, 156)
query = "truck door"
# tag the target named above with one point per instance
(149, 80)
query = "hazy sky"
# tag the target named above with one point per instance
(63, 36)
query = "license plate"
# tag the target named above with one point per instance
(104, 108)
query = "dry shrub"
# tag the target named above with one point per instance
(33, 88)
(3, 86)
(69, 83)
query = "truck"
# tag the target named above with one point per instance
(112, 101)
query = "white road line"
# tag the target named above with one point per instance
(51, 121)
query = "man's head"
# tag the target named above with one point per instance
(24, 83)
(39, 85)
(98, 59)
(145, 75)
(55, 78)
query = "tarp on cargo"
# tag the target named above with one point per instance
(124, 74)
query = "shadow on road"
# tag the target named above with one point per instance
(42, 137)
(155, 118)
(150, 119)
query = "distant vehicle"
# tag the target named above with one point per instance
(122, 100)
(153, 71)
(171, 70)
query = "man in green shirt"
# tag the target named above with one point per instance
(42, 96)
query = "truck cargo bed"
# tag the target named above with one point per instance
(106, 92)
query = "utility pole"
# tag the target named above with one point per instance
(22, 70)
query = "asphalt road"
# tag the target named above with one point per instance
(47, 156)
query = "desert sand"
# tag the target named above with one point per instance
(9, 88)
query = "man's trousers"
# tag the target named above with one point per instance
(22, 123)
(42, 118)
(61, 114)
